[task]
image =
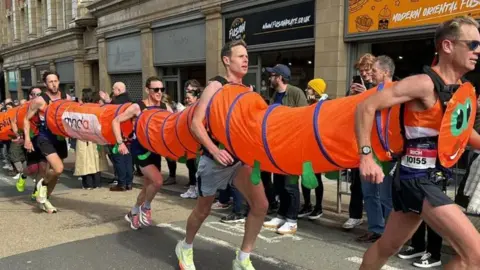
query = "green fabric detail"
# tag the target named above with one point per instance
(255, 177)
(309, 180)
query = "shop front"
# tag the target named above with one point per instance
(26, 80)
(124, 62)
(276, 33)
(12, 84)
(179, 50)
(402, 30)
(40, 69)
(66, 70)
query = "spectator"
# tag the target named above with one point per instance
(378, 197)
(286, 94)
(364, 66)
(123, 164)
(315, 92)
(88, 156)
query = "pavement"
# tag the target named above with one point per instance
(89, 232)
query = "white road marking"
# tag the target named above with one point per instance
(218, 242)
(7, 180)
(239, 230)
(359, 261)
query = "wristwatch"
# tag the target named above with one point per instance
(365, 150)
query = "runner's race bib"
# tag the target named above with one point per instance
(419, 158)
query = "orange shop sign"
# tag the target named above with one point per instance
(380, 15)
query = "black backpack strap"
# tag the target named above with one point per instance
(219, 79)
(142, 105)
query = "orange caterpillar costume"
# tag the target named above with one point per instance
(294, 141)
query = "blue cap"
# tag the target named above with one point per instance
(280, 69)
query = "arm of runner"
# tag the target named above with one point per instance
(35, 105)
(198, 129)
(132, 111)
(474, 140)
(13, 124)
(414, 87)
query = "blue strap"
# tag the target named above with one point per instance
(378, 120)
(176, 132)
(264, 136)
(163, 135)
(229, 114)
(207, 111)
(316, 130)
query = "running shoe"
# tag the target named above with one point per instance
(185, 257)
(42, 192)
(20, 184)
(48, 207)
(145, 216)
(134, 220)
(242, 265)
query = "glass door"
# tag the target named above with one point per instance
(172, 88)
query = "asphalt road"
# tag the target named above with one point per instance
(89, 232)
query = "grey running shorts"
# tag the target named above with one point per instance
(212, 176)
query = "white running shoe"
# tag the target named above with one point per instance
(288, 228)
(352, 223)
(274, 223)
(42, 192)
(190, 194)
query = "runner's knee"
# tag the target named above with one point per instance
(57, 170)
(259, 206)
(157, 183)
(387, 247)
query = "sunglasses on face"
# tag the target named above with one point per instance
(35, 95)
(471, 44)
(158, 89)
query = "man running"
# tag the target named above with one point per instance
(217, 168)
(50, 146)
(416, 194)
(148, 162)
(36, 163)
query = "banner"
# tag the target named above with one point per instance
(382, 15)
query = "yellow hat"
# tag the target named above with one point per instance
(318, 85)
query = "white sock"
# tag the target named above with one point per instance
(187, 246)
(242, 255)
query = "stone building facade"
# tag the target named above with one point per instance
(95, 43)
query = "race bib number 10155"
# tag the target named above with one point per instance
(418, 158)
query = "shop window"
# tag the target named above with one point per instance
(301, 64)
(409, 56)
(133, 82)
(169, 71)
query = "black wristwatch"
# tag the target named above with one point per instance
(365, 150)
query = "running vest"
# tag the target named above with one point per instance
(420, 130)
(39, 120)
(223, 81)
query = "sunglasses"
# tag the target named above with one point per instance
(471, 44)
(36, 95)
(158, 89)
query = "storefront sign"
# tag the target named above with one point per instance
(183, 44)
(66, 71)
(377, 15)
(124, 54)
(287, 23)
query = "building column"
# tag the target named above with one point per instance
(105, 82)
(59, 8)
(330, 50)
(32, 19)
(213, 31)
(87, 75)
(7, 82)
(16, 22)
(78, 68)
(148, 69)
(18, 76)
(33, 71)
(52, 66)
(51, 16)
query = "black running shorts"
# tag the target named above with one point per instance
(47, 146)
(412, 193)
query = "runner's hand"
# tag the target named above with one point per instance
(122, 149)
(28, 145)
(370, 171)
(223, 157)
(18, 140)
